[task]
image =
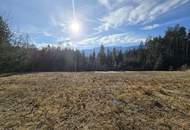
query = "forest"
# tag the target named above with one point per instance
(168, 52)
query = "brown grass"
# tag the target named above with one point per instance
(95, 100)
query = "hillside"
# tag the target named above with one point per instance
(96, 100)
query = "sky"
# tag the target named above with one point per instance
(107, 22)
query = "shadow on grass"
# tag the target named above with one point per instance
(10, 74)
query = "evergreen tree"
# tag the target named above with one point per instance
(102, 57)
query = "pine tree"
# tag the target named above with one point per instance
(102, 56)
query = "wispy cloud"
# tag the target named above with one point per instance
(123, 38)
(137, 12)
(150, 27)
(47, 34)
(106, 3)
(58, 21)
(168, 23)
(114, 19)
(114, 39)
(111, 4)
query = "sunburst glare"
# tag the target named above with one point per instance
(75, 27)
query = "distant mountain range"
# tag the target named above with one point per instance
(123, 48)
(118, 48)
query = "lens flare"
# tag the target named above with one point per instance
(75, 25)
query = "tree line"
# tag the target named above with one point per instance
(168, 52)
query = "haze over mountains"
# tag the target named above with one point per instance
(110, 48)
(89, 50)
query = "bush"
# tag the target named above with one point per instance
(184, 67)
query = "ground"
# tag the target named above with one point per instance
(95, 100)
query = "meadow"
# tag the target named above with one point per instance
(95, 101)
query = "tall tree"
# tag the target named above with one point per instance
(102, 56)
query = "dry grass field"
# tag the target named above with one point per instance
(95, 100)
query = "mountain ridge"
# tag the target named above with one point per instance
(118, 48)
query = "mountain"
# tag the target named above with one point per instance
(97, 49)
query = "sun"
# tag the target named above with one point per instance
(75, 27)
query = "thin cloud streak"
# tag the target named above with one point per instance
(150, 27)
(138, 12)
(113, 40)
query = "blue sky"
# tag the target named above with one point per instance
(108, 22)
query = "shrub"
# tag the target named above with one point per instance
(184, 67)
